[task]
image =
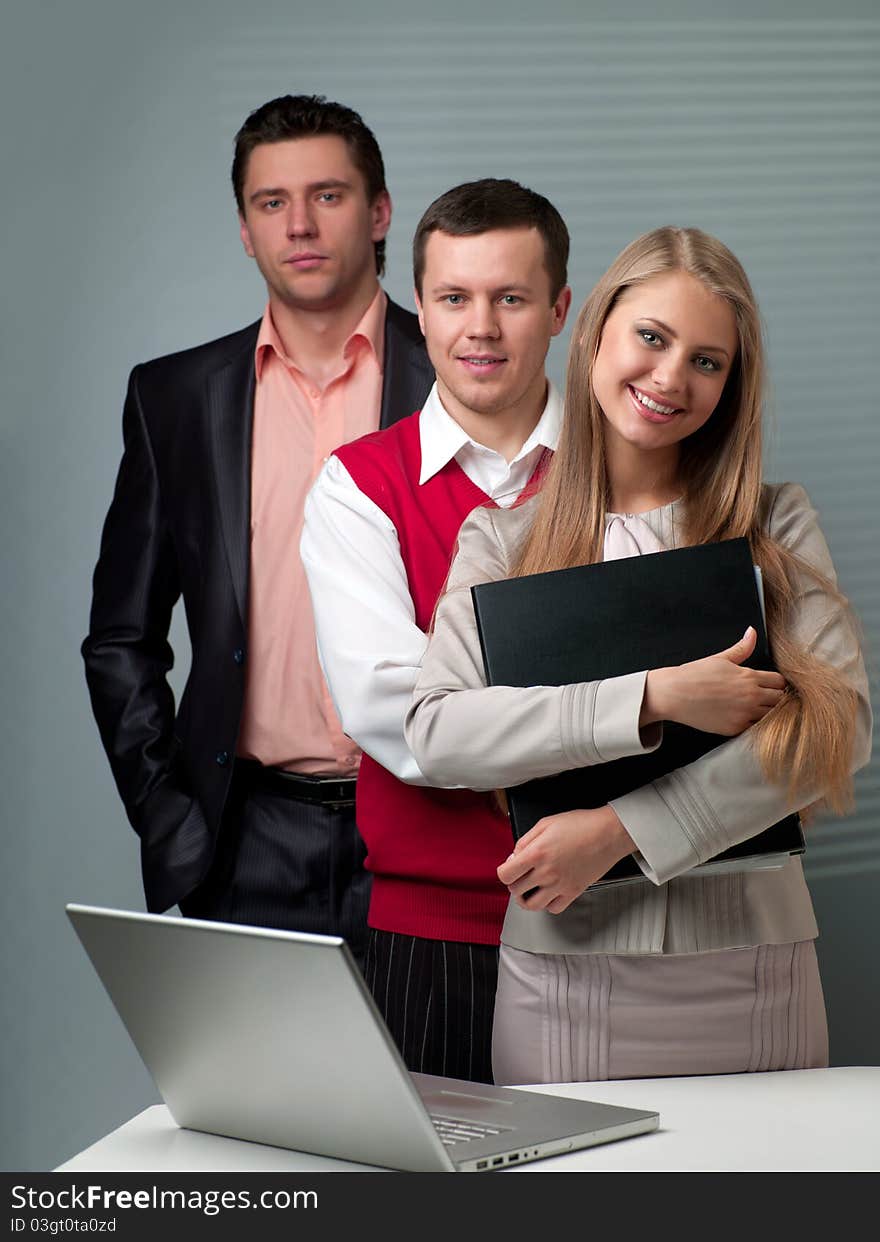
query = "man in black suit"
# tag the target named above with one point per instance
(244, 798)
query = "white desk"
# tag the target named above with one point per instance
(800, 1120)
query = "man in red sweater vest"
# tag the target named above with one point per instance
(381, 522)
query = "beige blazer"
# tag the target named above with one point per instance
(463, 733)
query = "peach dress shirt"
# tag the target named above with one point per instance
(288, 719)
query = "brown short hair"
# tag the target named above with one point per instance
(309, 116)
(493, 203)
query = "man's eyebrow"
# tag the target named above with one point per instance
(332, 183)
(266, 192)
(316, 187)
(709, 349)
(450, 287)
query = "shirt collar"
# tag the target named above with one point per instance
(441, 437)
(370, 329)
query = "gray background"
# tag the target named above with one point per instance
(119, 243)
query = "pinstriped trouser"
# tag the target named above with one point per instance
(437, 998)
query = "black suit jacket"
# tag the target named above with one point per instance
(179, 524)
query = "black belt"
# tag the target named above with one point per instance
(331, 791)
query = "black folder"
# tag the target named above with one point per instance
(605, 620)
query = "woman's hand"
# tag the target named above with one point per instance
(714, 694)
(562, 855)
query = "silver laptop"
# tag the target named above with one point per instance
(273, 1037)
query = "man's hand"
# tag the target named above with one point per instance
(562, 855)
(714, 694)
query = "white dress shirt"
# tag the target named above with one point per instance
(368, 642)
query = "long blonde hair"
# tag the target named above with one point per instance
(808, 737)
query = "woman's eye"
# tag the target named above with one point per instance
(707, 364)
(649, 337)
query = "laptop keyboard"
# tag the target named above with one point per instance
(454, 1130)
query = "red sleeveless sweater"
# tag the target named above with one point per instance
(433, 852)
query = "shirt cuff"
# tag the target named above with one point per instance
(668, 829)
(616, 731)
(600, 720)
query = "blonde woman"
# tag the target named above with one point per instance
(682, 973)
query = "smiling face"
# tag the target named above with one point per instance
(487, 313)
(664, 356)
(308, 224)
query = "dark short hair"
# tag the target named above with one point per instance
(493, 203)
(309, 116)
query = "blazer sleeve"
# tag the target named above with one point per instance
(692, 814)
(465, 733)
(126, 652)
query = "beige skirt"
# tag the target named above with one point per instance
(583, 1017)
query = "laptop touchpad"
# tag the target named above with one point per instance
(437, 1101)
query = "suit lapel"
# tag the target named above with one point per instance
(230, 395)
(231, 416)
(407, 372)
